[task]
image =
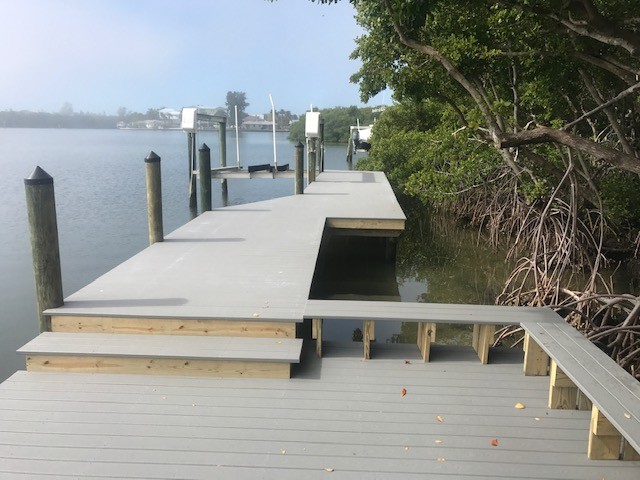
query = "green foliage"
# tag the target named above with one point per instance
(416, 147)
(621, 197)
(236, 99)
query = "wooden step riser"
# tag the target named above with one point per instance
(157, 366)
(170, 326)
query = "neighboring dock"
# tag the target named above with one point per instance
(225, 296)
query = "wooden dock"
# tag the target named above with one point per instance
(223, 297)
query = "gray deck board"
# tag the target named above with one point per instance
(611, 389)
(338, 412)
(249, 349)
(273, 243)
(430, 312)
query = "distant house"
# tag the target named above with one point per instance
(256, 123)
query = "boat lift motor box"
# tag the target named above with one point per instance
(312, 125)
(189, 117)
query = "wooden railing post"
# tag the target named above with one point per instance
(299, 166)
(43, 226)
(204, 172)
(154, 198)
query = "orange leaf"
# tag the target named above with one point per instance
(494, 442)
(440, 419)
(403, 392)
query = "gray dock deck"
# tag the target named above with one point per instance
(193, 274)
(338, 413)
(337, 417)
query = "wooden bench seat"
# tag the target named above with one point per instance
(484, 318)
(162, 354)
(577, 364)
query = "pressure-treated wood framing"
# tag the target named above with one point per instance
(367, 337)
(172, 326)
(604, 439)
(482, 340)
(426, 336)
(577, 364)
(156, 366)
(563, 393)
(536, 361)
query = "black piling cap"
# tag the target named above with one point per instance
(39, 177)
(204, 148)
(152, 158)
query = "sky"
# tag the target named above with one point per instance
(100, 55)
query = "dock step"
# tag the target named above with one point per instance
(162, 354)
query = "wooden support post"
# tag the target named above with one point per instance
(482, 340)
(536, 361)
(426, 336)
(629, 453)
(43, 227)
(204, 172)
(583, 401)
(222, 136)
(154, 198)
(316, 332)
(604, 439)
(311, 168)
(367, 336)
(563, 393)
(193, 199)
(299, 166)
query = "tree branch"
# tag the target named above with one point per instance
(598, 151)
(615, 99)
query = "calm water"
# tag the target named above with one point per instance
(101, 206)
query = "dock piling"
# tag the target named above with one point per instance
(204, 172)
(321, 146)
(311, 168)
(154, 198)
(299, 167)
(193, 200)
(43, 227)
(222, 135)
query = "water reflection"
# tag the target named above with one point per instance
(436, 261)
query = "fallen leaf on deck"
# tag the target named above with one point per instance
(406, 449)
(537, 419)
(403, 392)
(440, 459)
(627, 415)
(328, 469)
(494, 442)
(283, 451)
(407, 362)
(519, 406)
(256, 314)
(440, 419)
(438, 441)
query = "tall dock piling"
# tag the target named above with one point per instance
(43, 227)
(311, 168)
(204, 172)
(321, 146)
(154, 198)
(222, 135)
(299, 166)
(193, 200)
